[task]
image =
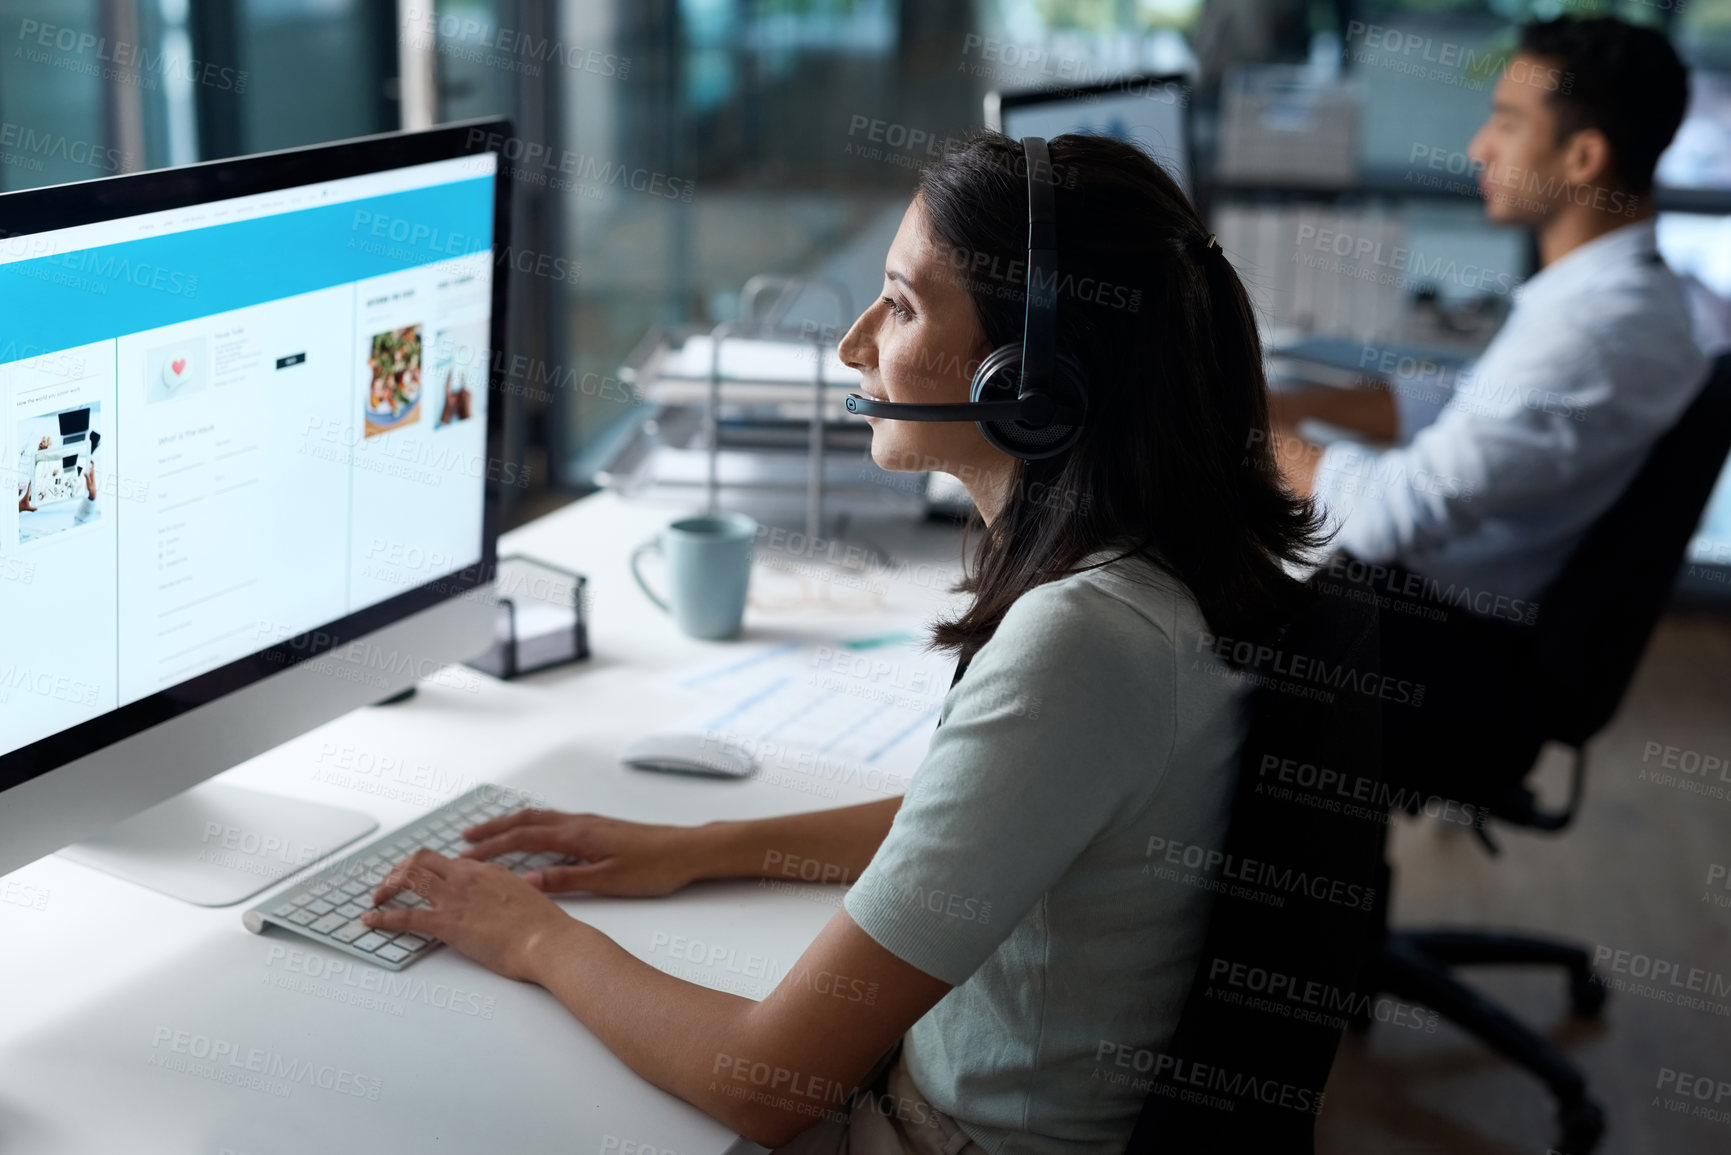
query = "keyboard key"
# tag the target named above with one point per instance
(350, 931)
(332, 902)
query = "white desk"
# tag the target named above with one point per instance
(97, 975)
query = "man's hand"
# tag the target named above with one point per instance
(1287, 408)
(1368, 409)
(90, 480)
(24, 505)
(1296, 459)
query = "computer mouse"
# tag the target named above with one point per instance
(685, 752)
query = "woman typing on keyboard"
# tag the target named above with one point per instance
(1003, 926)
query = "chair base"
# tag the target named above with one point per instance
(1416, 965)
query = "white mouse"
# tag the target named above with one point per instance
(683, 752)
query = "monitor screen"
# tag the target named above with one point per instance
(231, 423)
(1146, 111)
(1699, 156)
(1698, 248)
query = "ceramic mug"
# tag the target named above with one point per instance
(708, 560)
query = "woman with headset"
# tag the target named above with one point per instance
(1058, 331)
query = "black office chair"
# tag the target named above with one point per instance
(1572, 667)
(1239, 1076)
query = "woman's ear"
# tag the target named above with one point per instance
(982, 349)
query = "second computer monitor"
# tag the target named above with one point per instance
(1151, 112)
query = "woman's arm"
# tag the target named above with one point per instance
(640, 860)
(818, 846)
(769, 1070)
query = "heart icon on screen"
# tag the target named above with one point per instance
(178, 372)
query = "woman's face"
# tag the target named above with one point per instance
(921, 342)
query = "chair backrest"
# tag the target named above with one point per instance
(1595, 618)
(1299, 910)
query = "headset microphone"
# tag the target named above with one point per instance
(1029, 399)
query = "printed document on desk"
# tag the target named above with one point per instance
(855, 711)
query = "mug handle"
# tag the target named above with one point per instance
(636, 555)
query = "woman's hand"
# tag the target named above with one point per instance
(480, 908)
(624, 859)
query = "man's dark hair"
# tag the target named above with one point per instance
(1624, 80)
(1175, 461)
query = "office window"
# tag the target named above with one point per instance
(715, 146)
(686, 145)
(58, 113)
(1703, 30)
(347, 93)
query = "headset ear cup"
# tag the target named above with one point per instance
(999, 379)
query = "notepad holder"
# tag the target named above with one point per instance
(542, 619)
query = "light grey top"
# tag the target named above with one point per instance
(1095, 720)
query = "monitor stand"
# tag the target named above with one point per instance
(216, 844)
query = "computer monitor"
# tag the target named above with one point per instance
(1699, 156)
(244, 505)
(1697, 246)
(1149, 111)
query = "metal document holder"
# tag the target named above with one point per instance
(782, 442)
(771, 322)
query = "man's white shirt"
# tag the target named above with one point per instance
(1539, 436)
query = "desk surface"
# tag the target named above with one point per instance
(100, 979)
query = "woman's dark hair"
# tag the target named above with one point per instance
(1175, 461)
(1622, 79)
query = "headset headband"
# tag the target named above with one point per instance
(1040, 321)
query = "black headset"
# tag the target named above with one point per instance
(1029, 399)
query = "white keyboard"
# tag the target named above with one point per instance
(326, 906)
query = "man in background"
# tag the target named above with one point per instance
(1493, 488)
(1484, 492)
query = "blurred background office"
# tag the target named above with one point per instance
(687, 145)
(668, 151)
